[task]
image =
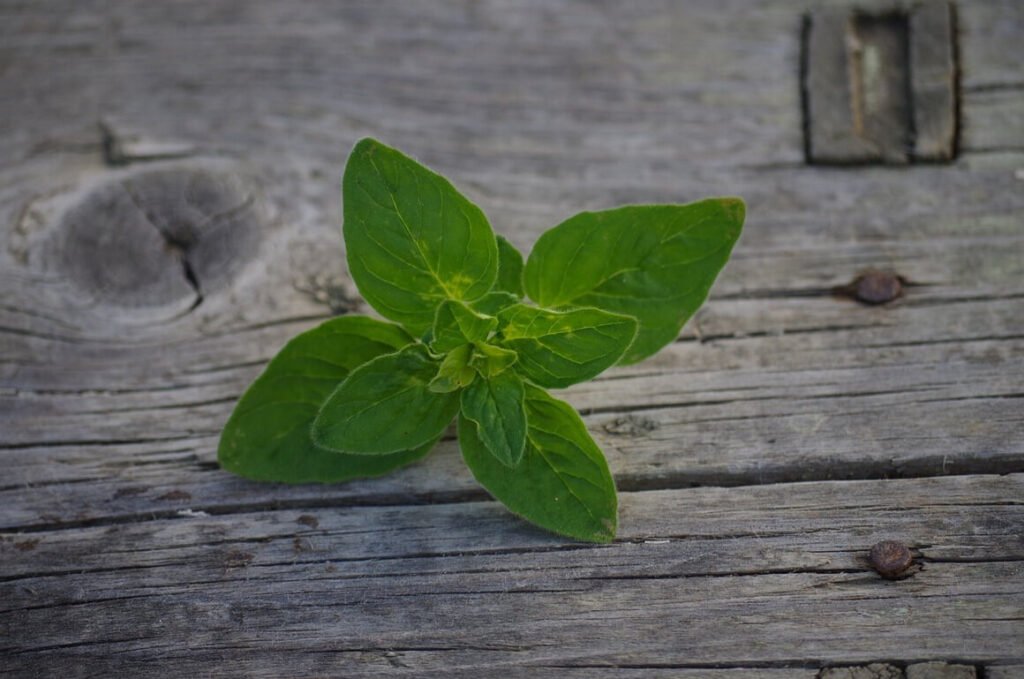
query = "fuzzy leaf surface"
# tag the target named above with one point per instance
(562, 482)
(557, 349)
(456, 324)
(267, 437)
(510, 268)
(412, 240)
(496, 407)
(493, 302)
(386, 406)
(653, 262)
(490, 360)
(455, 371)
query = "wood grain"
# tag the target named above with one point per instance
(811, 425)
(933, 69)
(779, 569)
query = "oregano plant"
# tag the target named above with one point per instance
(478, 336)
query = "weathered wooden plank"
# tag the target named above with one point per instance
(793, 252)
(865, 402)
(828, 93)
(110, 416)
(880, 85)
(856, 87)
(949, 220)
(752, 336)
(755, 576)
(617, 54)
(932, 62)
(941, 670)
(993, 120)
(990, 49)
(1008, 671)
(626, 183)
(869, 671)
(928, 670)
(810, 339)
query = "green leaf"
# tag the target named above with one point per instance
(490, 360)
(493, 302)
(510, 268)
(385, 406)
(456, 324)
(455, 371)
(562, 482)
(496, 407)
(653, 262)
(267, 436)
(412, 240)
(559, 348)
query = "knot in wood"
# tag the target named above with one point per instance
(160, 237)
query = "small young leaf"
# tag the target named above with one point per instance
(654, 262)
(267, 436)
(385, 406)
(493, 302)
(456, 324)
(510, 268)
(560, 348)
(455, 371)
(562, 482)
(496, 407)
(412, 239)
(490, 360)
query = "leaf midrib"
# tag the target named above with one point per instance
(408, 231)
(643, 261)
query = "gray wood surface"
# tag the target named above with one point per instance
(933, 68)
(169, 213)
(771, 575)
(880, 84)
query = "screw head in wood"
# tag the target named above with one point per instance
(890, 559)
(877, 287)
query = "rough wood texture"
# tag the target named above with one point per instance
(169, 216)
(932, 30)
(772, 575)
(928, 670)
(880, 85)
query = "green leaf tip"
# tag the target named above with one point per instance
(412, 240)
(653, 262)
(456, 324)
(510, 268)
(562, 483)
(454, 372)
(497, 406)
(358, 397)
(267, 437)
(385, 406)
(557, 349)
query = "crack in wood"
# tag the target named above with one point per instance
(824, 471)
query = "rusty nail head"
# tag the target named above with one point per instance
(890, 558)
(877, 287)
